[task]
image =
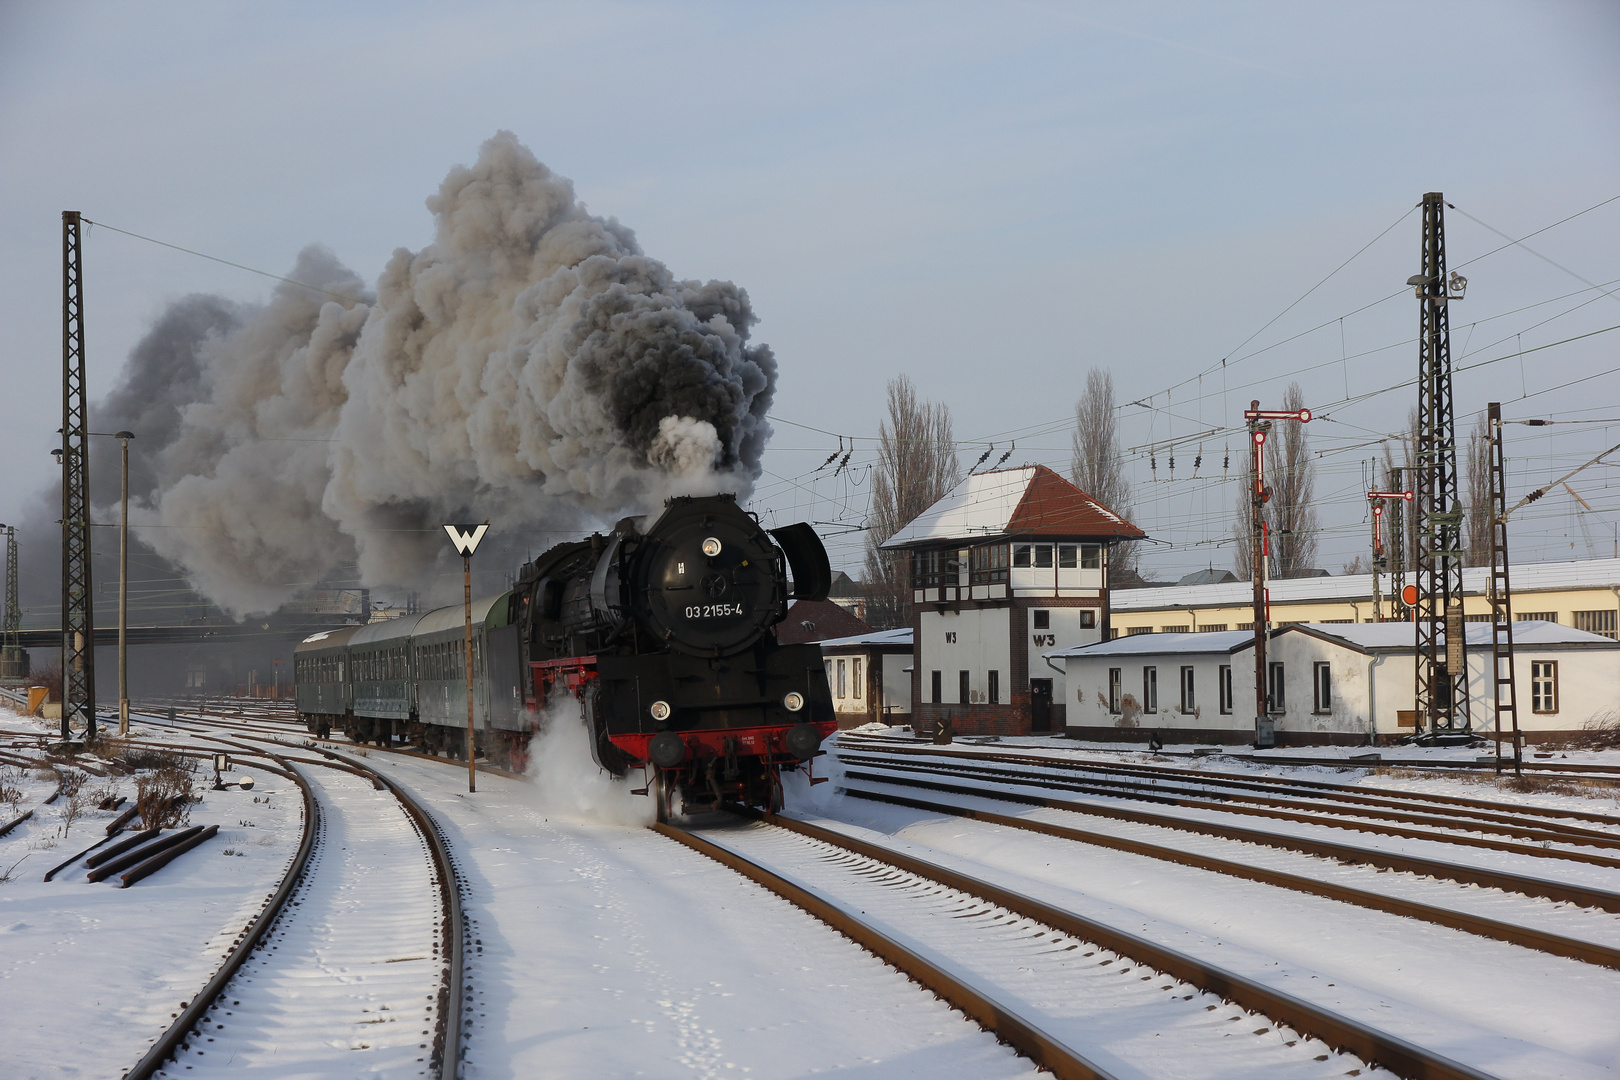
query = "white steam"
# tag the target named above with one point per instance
(567, 781)
(530, 366)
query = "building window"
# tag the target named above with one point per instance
(1226, 689)
(1544, 686)
(1538, 616)
(1043, 556)
(1088, 619)
(993, 687)
(926, 567)
(1068, 556)
(1150, 689)
(987, 564)
(1211, 628)
(840, 678)
(1021, 556)
(1116, 687)
(964, 687)
(1132, 631)
(938, 695)
(1245, 626)
(857, 684)
(1274, 689)
(1043, 619)
(1176, 629)
(1091, 556)
(1187, 701)
(1596, 622)
(1322, 684)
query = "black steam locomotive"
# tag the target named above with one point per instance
(663, 636)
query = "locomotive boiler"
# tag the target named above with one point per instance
(663, 635)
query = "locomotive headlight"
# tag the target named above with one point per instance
(711, 547)
(794, 701)
(660, 711)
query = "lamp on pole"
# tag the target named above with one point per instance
(466, 538)
(123, 438)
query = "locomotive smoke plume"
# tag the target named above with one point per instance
(530, 366)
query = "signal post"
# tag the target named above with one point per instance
(466, 538)
(1259, 423)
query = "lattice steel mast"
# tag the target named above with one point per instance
(1505, 694)
(78, 606)
(13, 661)
(1441, 668)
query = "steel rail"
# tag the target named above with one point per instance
(1021, 1034)
(1167, 798)
(251, 938)
(1346, 853)
(1485, 810)
(1372, 1045)
(1556, 944)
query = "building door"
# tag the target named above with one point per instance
(1040, 704)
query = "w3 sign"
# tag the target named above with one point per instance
(1044, 639)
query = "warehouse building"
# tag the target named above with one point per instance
(1348, 684)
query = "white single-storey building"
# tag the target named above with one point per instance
(1327, 683)
(870, 677)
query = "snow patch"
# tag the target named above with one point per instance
(568, 783)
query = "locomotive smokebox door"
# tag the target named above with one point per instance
(710, 580)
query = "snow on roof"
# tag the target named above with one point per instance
(1221, 641)
(1363, 637)
(1531, 577)
(1030, 501)
(901, 636)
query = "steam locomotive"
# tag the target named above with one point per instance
(664, 637)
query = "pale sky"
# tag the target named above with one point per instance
(990, 198)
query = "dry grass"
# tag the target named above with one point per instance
(1602, 732)
(164, 795)
(1528, 784)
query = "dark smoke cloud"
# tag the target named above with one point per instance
(531, 366)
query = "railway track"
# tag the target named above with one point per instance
(372, 878)
(1079, 997)
(1507, 830)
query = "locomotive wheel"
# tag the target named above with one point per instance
(665, 793)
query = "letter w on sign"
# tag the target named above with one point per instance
(466, 537)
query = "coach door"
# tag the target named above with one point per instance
(1040, 704)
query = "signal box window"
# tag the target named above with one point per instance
(1088, 619)
(938, 693)
(1544, 686)
(1068, 556)
(1322, 684)
(1021, 555)
(1226, 689)
(1043, 556)
(1116, 685)
(963, 687)
(1187, 702)
(993, 687)
(1150, 689)
(1043, 619)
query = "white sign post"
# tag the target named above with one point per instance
(466, 538)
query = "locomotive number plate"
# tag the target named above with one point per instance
(713, 611)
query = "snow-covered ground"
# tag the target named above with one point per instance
(600, 948)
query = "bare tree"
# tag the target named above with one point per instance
(1479, 493)
(1243, 523)
(1290, 515)
(916, 466)
(1097, 466)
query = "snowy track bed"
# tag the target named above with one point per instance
(348, 979)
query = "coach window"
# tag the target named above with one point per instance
(1042, 619)
(857, 684)
(1225, 681)
(1274, 689)
(1322, 682)
(1150, 690)
(840, 678)
(993, 687)
(1544, 686)
(937, 687)
(1187, 702)
(1116, 682)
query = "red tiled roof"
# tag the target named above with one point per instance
(1053, 506)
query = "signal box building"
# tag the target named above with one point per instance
(1009, 565)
